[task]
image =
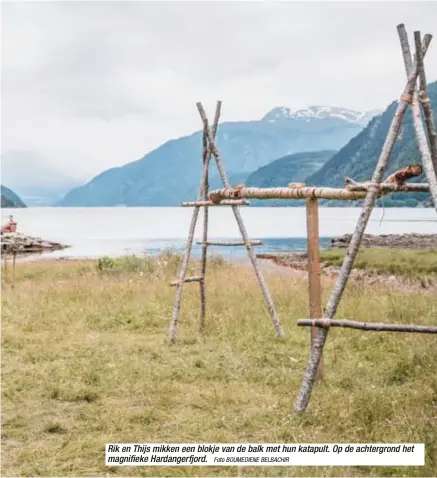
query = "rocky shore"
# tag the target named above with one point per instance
(298, 261)
(400, 241)
(23, 244)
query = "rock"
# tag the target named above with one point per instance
(23, 244)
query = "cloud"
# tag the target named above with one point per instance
(113, 80)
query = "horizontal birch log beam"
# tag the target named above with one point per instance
(375, 327)
(305, 192)
(238, 202)
(188, 279)
(284, 193)
(406, 188)
(231, 243)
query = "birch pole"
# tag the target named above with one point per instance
(375, 327)
(426, 103)
(243, 231)
(204, 235)
(427, 159)
(206, 158)
(352, 192)
(369, 202)
(183, 270)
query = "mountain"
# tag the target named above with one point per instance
(10, 199)
(171, 173)
(35, 179)
(359, 157)
(293, 168)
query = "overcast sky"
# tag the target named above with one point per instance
(91, 85)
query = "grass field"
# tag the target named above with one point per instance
(406, 263)
(85, 362)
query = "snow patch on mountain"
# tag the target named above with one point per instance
(320, 112)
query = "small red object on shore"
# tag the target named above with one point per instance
(10, 226)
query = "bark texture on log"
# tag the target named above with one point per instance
(413, 187)
(353, 192)
(285, 193)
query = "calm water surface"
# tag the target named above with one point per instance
(95, 232)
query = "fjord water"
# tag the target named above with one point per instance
(97, 232)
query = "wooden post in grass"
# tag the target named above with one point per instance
(314, 281)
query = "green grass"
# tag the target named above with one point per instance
(408, 263)
(86, 361)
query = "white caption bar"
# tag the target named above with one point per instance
(248, 454)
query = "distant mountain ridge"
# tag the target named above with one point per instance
(170, 174)
(10, 199)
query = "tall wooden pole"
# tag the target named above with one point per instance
(314, 280)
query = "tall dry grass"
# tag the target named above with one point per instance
(85, 362)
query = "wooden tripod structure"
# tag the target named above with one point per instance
(410, 95)
(210, 149)
(321, 322)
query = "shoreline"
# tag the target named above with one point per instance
(35, 248)
(293, 264)
(23, 245)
